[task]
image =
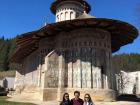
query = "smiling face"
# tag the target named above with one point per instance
(77, 95)
(87, 98)
(66, 97)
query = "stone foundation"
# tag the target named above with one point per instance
(96, 94)
(50, 94)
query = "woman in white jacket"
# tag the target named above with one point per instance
(88, 100)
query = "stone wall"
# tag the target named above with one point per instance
(128, 82)
(27, 77)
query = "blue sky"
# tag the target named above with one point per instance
(20, 16)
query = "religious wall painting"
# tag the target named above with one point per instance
(96, 77)
(86, 67)
(76, 69)
(52, 70)
(70, 68)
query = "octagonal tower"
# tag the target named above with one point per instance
(69, 9)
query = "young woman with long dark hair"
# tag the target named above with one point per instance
(66, 100)
(88, 100)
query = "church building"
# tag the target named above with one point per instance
(73, 53)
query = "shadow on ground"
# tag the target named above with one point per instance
(128, 97)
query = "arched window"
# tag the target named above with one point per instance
(61, 17)
(71, 15)
(57, 19)
(66, 16)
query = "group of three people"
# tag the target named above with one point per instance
(76, 100)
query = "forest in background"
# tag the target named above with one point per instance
(7, 48)
(126, 62)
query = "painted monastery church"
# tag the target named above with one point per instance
(73, 53)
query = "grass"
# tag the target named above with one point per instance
(3, 101)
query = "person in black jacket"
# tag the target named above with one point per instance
(66, 100)
(77, 100)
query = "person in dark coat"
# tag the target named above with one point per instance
(66, 100)
(77, 100)
(88, 100)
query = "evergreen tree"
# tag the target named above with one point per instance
(4, 57)
(7, 48)
(127, 62)
(12, 49)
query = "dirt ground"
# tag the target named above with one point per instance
(100, 103)
(96, 103)
(19, 99)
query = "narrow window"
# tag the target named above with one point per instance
(57, 17)
(71, 15)
(61, 17)
(66, 16)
